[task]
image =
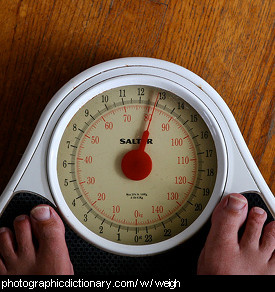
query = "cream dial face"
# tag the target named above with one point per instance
(162, 203)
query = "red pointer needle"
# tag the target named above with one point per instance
(137, 164)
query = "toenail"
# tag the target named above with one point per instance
(3, 229)
(41, 213)
(235, 203)
(20, 218)
(258, 210)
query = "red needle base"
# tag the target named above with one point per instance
(136, 164)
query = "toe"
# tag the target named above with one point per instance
(7, 252)
(221, 250)
(227, 218)
(23, 234)
(47, 226)
(268, 240)
(253, 228)
(49, 230)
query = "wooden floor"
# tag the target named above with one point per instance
(229, 43)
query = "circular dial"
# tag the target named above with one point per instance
(136, 164)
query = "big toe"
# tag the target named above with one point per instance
(47, 225)
(49, 231)
(227, 219)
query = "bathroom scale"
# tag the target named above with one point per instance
(135, 153)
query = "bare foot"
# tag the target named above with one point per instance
(18, 254)
(224, 253)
